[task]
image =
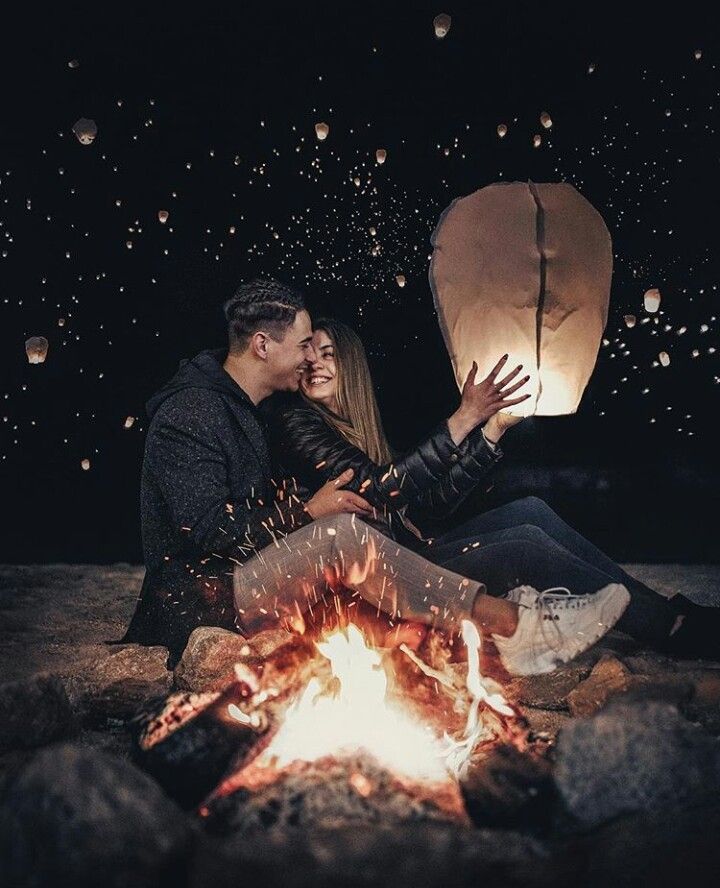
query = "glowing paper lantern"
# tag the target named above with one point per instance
(85, 465)
(524, 268)
(129, 422)
(442, 23)
(664, 359)
(537, 141)
(381, 155)
(400, 278)
(502, 130)
(163, 216)
(698, 54)
(85, 130)
(36, 349)
(546, 120)
(630, 320)
(652, 300)
(321, 131)
(373, 230)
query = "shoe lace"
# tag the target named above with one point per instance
(552, 633)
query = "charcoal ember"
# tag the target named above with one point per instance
(34, 711)
(405, 855)
(80, 817)
(634, 757)
(209, 657)
(509, 788)
(330, 792)
(188, 744)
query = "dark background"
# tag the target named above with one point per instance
(234, 93)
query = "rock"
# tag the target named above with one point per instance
(548, 691)
(267, 642)
(609, 676)
(634, 757)
(118, 685)
(81, 817)
(509, 789)
(34, 711)
(208, 659)
(650, 663)
(670, 847)
(413, 855)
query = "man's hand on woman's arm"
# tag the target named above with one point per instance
(482, 401)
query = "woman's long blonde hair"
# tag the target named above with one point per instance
(359, 421)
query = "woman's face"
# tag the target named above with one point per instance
(319, 381)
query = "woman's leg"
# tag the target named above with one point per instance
(647, 606)
(526, 555)
(289, 579)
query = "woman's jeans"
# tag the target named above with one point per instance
(526, 543)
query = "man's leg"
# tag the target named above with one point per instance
(526, 555)
(287, 580)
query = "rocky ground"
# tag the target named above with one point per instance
(633, 790)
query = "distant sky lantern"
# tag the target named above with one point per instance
(537, 141)
(502, 130)
(36, 349)
(373, 230)
(652, 300)
(698, 54)
(163, 216)
(381, 155)
(400, 278)
(85, 465)
(630, 320)
(356, 181)
(546, 120)
(664, 359)
(73, 63)
(524, 268)
(442, 24)
(321, 131)
(129, 422)
(85, 131)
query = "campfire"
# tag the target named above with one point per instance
(337, 711)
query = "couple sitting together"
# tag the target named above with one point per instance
(248, 520)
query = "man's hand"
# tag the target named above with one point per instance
(480, 402)
(331, 500)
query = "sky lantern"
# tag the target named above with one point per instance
(381, 155)
(546, 120)
(537, 140)
(163, 216)
(129, 422)
(698, 54)
(321, 131)
(85, 464)
(502, 130)
(400, 278)
(664, 359)
(630, 320)
(85, 131)
(652, 300)
(36, 349)
(442, 23)
(524, 269)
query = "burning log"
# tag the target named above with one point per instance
(187, 745)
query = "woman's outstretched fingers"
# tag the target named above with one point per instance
(497, 368)
(515, 387)
(506, 379)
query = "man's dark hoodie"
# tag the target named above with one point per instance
(209, 498)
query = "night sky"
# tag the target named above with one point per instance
(211, 117)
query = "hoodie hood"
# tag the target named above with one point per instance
(204, 371)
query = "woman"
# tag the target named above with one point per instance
(343, 440)
(337, 426)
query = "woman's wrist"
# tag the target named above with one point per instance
(459, 426)
(492, 431)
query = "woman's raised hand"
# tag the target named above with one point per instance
(486, 398)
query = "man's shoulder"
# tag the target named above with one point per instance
(192, 403)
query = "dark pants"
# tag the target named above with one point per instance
(526, 543)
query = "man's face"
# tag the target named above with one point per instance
(288, 359)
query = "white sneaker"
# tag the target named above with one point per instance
(554, 626)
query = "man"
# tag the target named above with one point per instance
(209, 494)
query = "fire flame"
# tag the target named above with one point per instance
(352, 712)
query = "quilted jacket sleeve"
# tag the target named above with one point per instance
(314, 452)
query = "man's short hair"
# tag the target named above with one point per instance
(261, 304)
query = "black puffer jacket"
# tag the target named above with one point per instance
(432, 479)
